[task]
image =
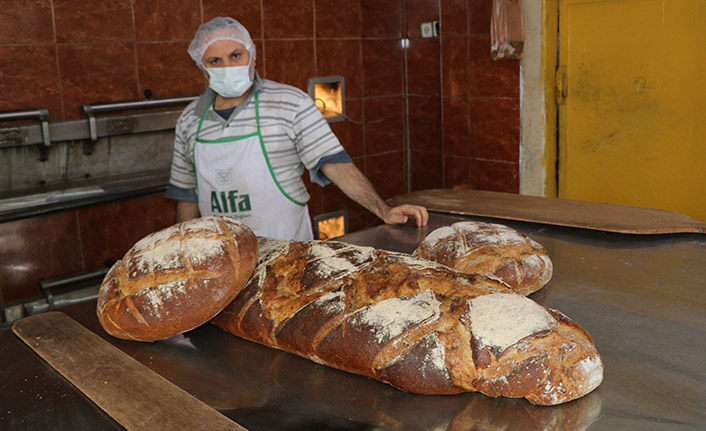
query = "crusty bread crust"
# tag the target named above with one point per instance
(417, 325)
(491, 249)
(176, 279)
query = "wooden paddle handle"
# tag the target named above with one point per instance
(132, 394)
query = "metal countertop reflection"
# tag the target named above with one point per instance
(642, 299)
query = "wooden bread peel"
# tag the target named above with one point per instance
(559, 212)
(131, 393)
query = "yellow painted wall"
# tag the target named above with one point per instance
(632, 112)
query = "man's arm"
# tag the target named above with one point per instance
(186, 210)
(356, 186)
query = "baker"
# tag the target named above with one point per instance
(241, 148)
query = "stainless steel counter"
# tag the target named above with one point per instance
(642, 298)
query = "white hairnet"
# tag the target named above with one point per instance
(219, 28)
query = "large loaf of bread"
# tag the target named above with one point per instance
(417, 325)
(176, 279)
(492, 249)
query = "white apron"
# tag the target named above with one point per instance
(234, 178)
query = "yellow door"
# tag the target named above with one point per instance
(631, 88)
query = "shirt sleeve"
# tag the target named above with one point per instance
(313, 137)
(182, 173)
(319, 177)
(177, 193)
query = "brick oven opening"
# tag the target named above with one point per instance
(329, 94)
(331, 225)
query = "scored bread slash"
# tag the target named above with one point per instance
(176, 279)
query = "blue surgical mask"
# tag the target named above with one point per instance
(230, 81)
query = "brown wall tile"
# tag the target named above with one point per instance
(381, 18)
(387, 173)
(426, 170)
(290, 61)
(93, 21)
(423, 73)
(418, 12)
(349, 133)
(334, 199)
(156, 20)
(454, 17)
(163, 211)
(26, 21)
(341, 57)
(495, 129)
(338, 18)
(425, 123)
(384, 124)
(454, 52)
(80, 82)
(108, 231)
(247, 12)
(457, 171)
(357, 222)
(490, 78)
(382, 67)
(167, 70)
(479, 16)
(32, 81)
(495, 176)
(457, 126)
(36, 249)
(288, 19)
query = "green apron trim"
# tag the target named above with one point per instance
(258, 133)
(220, 141)
(269, 166)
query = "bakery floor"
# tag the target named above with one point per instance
(641, 297)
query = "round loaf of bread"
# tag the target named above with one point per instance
(176, 279)
(490, 249)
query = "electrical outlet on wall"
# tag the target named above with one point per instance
(430, 29)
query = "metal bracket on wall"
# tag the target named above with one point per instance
(91, 110)
(91, 128)
(14, 136)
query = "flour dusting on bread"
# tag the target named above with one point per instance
(438, 235)
(415, 262)
(270, 248)
(592, 367)
(500, 320)
(391, 317)
(165, 292)
(331, 260)
(167, 249)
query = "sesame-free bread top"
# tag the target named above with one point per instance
(176, 279)
(415, 324)
(491, 249)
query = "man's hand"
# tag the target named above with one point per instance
(353, 183)
(401, 214)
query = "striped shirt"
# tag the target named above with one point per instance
(295, 134)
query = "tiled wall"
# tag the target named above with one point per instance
(68, 242)
(444, 99)
(481, 104)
